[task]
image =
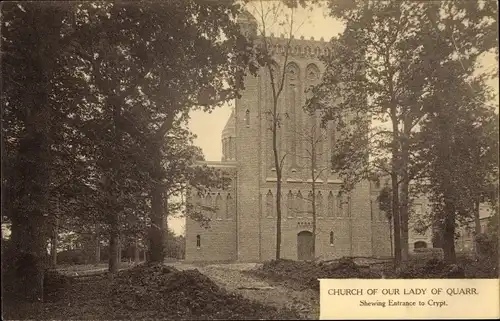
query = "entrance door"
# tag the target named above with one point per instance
(305, 246)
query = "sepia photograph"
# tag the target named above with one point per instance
(249, 159)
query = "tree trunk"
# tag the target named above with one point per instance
(477, 226)
(405, 188)
(404, 215)
(449, 234)
(278, 180)
(156, 232)
(390, 235)
(29, 267)
(119, 248)
(313, 187)
(53, 243)
(97, 246)
(137, 258)
(313, 212)
(113, 248)
(397, 225)
(29, 216)
(97, 258)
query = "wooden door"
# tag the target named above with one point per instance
(305, 246)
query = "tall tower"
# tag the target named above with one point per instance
(247, 128)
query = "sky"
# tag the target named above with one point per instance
(208, 126)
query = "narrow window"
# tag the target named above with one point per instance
(340, 205)
(269, 204)
(289, 204)
(198, 241)
(331, 238)
(247, 117)
(330, 205)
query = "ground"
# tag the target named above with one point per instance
(282, 289)
(233, 278)
(92, 296)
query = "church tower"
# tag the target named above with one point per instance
(248, 131)
(247, 231)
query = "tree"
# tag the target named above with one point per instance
(381, 70)
(461, 131)
(106, 82)
(372, 71)
(275, 65)
(459, 138)
(30, 47)
(385, 205)
(142, 70)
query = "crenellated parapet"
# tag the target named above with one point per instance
(300, 48)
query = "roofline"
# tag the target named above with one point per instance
(218, 164)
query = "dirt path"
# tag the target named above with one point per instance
(232, 278)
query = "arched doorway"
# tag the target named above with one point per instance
(420, 245)
(305, 246)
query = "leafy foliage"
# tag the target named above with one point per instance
(97, 98)
(389, 67)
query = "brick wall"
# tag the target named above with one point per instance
(252, 235)
(247, 155)
(218, 243)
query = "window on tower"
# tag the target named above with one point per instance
(331, 238)
(247, 117)
(198, 241)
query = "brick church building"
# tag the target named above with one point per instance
(244, 226)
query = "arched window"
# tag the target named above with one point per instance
(340, 205)
(292, 109)
(310, 205)
(229, 206)
(331, 238)
(298, 204)
(218, 207)
(331, 207)
(312, 73)
(319, 204)
(198, 241)
(289, 204)
(247, 117)
(269, 204)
